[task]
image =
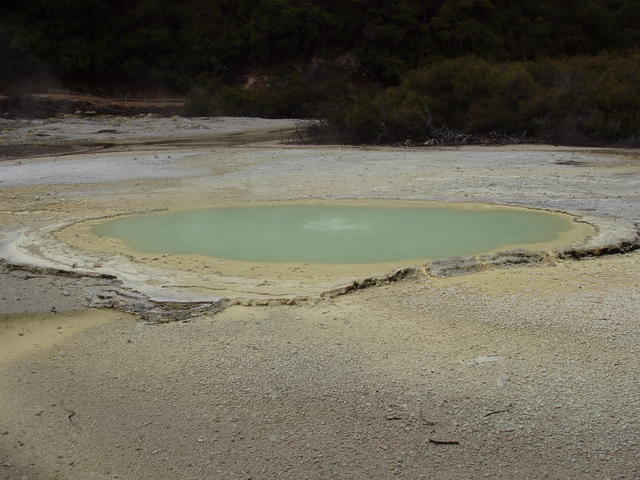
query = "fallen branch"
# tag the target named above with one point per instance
(425, 421)
(498, 411)
(71, 413)
(443, 442)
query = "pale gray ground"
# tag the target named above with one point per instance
(35, 292)
(117, 129)
(533, 371)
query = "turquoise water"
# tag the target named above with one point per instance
(333, 234)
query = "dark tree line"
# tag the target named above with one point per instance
(377, 71)
(178, 44)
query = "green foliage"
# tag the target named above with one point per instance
(472, 94)
(176, 44)
(381, 117)
(548, 68)
(579, 100)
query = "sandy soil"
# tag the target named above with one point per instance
(528, 372)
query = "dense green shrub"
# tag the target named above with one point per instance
(172, 44)
(397, 71)
(579, 100)
(380, 117)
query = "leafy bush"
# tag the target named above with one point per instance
(580, 100)
(168, 44)
(380, 117)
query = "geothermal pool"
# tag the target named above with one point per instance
(334, 234)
